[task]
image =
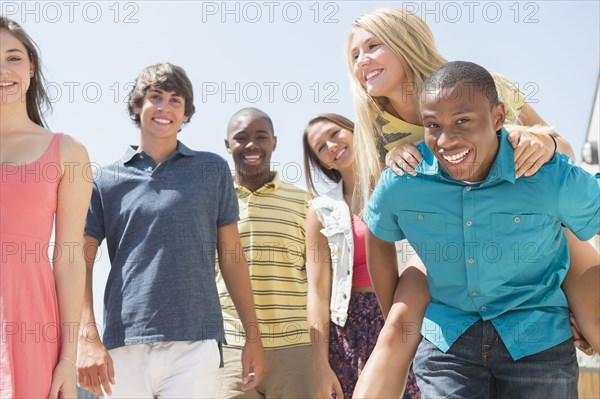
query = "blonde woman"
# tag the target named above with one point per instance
(390, 52)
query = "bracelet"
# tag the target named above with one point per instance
(70, 361)
(555, 144)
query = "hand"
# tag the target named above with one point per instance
(95, 367)
(253, 357)
(327, 383)
(404, 156)
(63, 381)
(580, 341)
(532, 149)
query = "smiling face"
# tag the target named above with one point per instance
(460, 130)
(376, 67)
(161, 113)
(15, 69)
(250, 141)
(333, 145)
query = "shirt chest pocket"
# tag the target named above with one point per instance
(521, 237)
(417, 225)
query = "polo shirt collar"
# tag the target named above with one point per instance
(132, 152)
(184, 150)
(129, 154)
(273, 185)
(502, 168)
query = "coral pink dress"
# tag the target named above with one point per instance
(30, 333)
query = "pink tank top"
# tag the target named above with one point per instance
(28, 302)
(29, 195)
(360, 275)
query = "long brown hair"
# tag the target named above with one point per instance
(36, 100)
(311, 160)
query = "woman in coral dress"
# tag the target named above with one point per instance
(42, 185)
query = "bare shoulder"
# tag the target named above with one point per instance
(311, 212)
(313, 223)
(72, 150)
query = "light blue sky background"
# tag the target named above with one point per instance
(92, 51)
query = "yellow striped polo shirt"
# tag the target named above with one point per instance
(271, 226)
(394, 131)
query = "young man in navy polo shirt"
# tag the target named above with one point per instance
(494, 247)
(164, 211)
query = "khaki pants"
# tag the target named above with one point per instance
(289, 374)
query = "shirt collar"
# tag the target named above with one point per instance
(504, 164)
(272, 185)
(338, 191)
(184, 150)
(502, 168)
(132, 152)
(129, 154)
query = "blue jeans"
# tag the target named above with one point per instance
(478, 365)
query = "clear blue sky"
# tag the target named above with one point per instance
(287, 58)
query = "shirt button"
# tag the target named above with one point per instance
(421, 217)
(468, 188)
(483, 309)
(517, 219)
(474, 293)
(348, 272)
(469, 223)
(471, 260)
(345, 296)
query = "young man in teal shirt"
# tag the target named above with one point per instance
(494, 248)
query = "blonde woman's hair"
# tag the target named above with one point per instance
(411, 40)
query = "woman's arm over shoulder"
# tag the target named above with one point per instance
(519, 116)
(529, 117)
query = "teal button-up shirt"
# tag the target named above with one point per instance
(495, 250)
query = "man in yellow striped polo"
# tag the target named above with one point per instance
(272, 218)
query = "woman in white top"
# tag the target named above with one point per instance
(343, 312)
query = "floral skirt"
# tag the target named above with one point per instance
(350, 346)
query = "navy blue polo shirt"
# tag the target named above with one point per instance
(495, 250)
(160, 224)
